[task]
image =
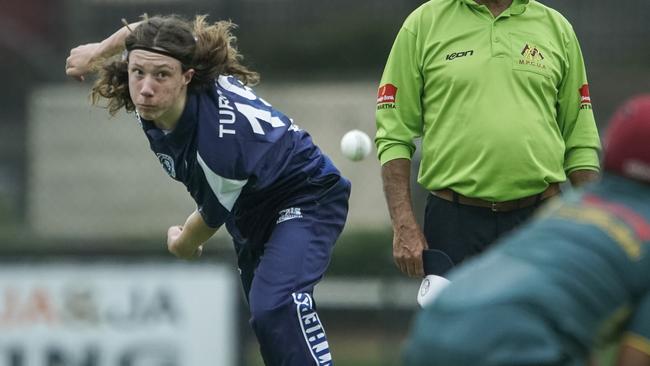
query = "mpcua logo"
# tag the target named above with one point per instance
(531, 55)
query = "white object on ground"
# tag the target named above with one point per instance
(430, 288)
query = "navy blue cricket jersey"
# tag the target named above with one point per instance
(240, 159)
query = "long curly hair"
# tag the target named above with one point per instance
(209, 49)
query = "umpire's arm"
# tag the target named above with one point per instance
(575, 116)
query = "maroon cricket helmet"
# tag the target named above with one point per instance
(627, 141)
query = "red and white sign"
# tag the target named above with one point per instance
(386, 94)
(584, 94)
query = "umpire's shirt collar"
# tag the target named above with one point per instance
(517, 7)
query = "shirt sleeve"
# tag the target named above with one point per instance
(213, 214)
(399, 110)
(638, 332)
(575, 114)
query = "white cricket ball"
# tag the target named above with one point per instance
(356, 145)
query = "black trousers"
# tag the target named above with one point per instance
(461, 231)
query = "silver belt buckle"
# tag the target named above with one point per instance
(494, 207)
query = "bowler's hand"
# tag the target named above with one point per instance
(180, 249)
(408, 244)
(81, 61)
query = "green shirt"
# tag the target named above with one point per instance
(502, 104)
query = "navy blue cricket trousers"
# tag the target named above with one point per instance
(279, 275)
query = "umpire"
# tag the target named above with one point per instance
(497, 90)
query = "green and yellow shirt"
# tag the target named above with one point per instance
(502, 104)
(576, 277)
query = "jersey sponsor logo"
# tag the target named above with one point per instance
(386, 96)
(455, 55)
(289, 214)
(585, 99)
(532, 56)
(167, 163)
(312, 329)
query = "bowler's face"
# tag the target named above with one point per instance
(156, 83)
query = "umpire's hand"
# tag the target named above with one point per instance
(408, 244)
